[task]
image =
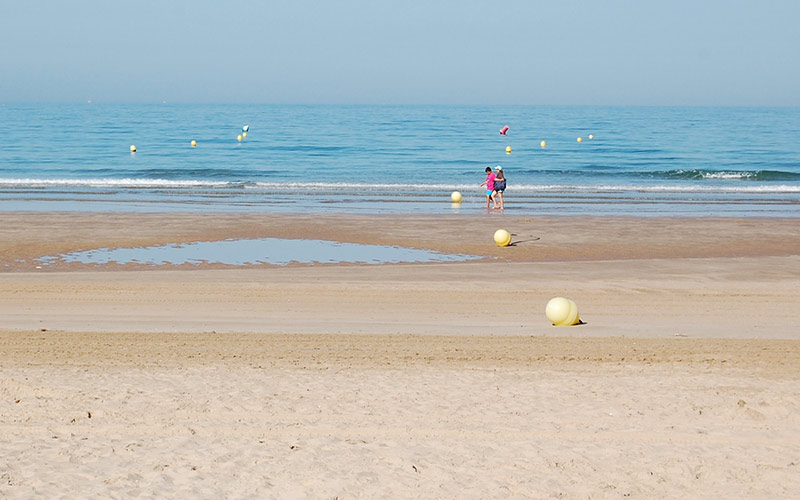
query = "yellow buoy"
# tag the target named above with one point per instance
(543, 144)
(591, 137)
(133, 148)
(562, 312)
(456, 197)
(508, 150)
(244, 134)
(239, 137)
(194, 143)
(580, 139)
(502, 238)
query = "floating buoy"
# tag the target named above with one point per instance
(504, 130)
(239, 137)
(508, 150)
(456, 197)
(193, 143)
(502, 238)
(580, 139)
(244, 134)
(562, 312)
(591, 137)
(543, 144)
(246, 128)
(133, 148)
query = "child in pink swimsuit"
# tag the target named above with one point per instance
(489, 183)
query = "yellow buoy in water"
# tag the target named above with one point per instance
(244, 134)
(239, 137)
(591, 137)
(456, 197)
(562, 312)
(133, 148)
(580, 139)
(502, 238)
(543, 144)
(508, 150)
(193, 143)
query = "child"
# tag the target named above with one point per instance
(489, 183)
(500, 185)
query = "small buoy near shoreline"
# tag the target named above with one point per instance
(456, 197)
(239, 137)
(133, 148)
(504, 130)
(193, 143)
(543, 144)
(508, 150)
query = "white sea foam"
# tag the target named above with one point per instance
(728, 175)
(311, 187)
(757, 188)
(104, 183)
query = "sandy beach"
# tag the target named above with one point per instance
(422, 380)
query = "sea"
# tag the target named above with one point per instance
(393, 159)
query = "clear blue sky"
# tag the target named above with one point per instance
(671, 52)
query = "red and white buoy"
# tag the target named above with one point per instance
(504, 130)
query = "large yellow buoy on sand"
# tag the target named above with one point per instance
(193, 143)
(580, 139)
(543, 144)
(508, 150)
(502, 238)
(456, 197)
(133, 148)
(562, 312)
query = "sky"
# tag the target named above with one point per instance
(512, 52)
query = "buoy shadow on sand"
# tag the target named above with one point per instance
(245, 252)
(529, 240)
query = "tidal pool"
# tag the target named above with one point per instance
(243, 252)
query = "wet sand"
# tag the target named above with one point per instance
(535, 239)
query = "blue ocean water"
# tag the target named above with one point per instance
(669, 161)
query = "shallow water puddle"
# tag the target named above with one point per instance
(245, 252)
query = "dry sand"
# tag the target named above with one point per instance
(393, 381)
